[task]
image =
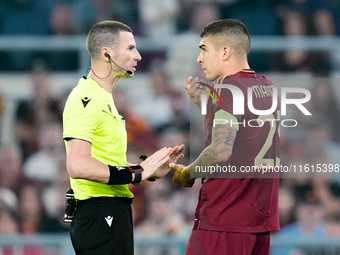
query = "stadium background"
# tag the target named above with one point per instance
(43, 54)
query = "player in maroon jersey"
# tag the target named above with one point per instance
(234, 216)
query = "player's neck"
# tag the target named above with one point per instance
(236, 67)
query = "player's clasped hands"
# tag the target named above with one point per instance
(192, 86)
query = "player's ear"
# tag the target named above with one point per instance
(226, 51)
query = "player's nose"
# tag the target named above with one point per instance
(199, 59)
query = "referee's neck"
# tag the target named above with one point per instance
(107, 82)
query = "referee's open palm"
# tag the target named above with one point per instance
(154, 165)
(174, 157)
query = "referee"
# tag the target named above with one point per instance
(96, 145)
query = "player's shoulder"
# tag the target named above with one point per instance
(264, 79)
(244, 78)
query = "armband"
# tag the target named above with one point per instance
(123, 174)
(137, 170)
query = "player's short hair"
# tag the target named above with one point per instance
(229, 32)
(105, 33)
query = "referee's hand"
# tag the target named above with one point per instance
(174, 157)
(182, 175)
(153, 162)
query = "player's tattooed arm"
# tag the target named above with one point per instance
(218, 152)
(223, 138)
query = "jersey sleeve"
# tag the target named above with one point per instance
(81, 118)
(227, 98)
(223, 117)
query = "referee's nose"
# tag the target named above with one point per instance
(138, 57)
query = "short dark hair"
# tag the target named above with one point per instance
(105, 33)
(229, 29)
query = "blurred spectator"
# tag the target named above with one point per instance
(327, 183)
(9, 225)
(182, 61)
(318, 15)
(317, 62)
(156, 108)
(9, 222)
(53, 198)
(309, 223)
(8, 198)
(61, 20)
(2, 105)
(18, 17)
(318, 142)
(161, 221)
(29, 17)
(249, 11)
(62, 23)
(139, 131)
(158, 18)
(39, 108)
(329, 200)
(286, 206)
(89, 12)
(44, 164)
(326, 105)
(160, 188)
(180, 107)
(139, 206)
(333, 225)
(171, 136)
(11, 175)
(31, 210)
(200, 15)
(32, 213)
(184, 202)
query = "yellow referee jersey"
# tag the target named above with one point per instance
(90, 115)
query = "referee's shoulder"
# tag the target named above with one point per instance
(85, 97)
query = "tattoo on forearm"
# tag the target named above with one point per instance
(229, 140)
(224, 133)
(223, 137)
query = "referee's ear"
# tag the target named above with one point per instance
(106, 54)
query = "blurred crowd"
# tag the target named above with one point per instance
(33, 178)
(161, 19)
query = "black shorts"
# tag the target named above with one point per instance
(103, 226)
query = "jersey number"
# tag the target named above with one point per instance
(259, 159)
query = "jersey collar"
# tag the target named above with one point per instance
(247, 70)
(239, 73)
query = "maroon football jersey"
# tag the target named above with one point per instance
(248, 203)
